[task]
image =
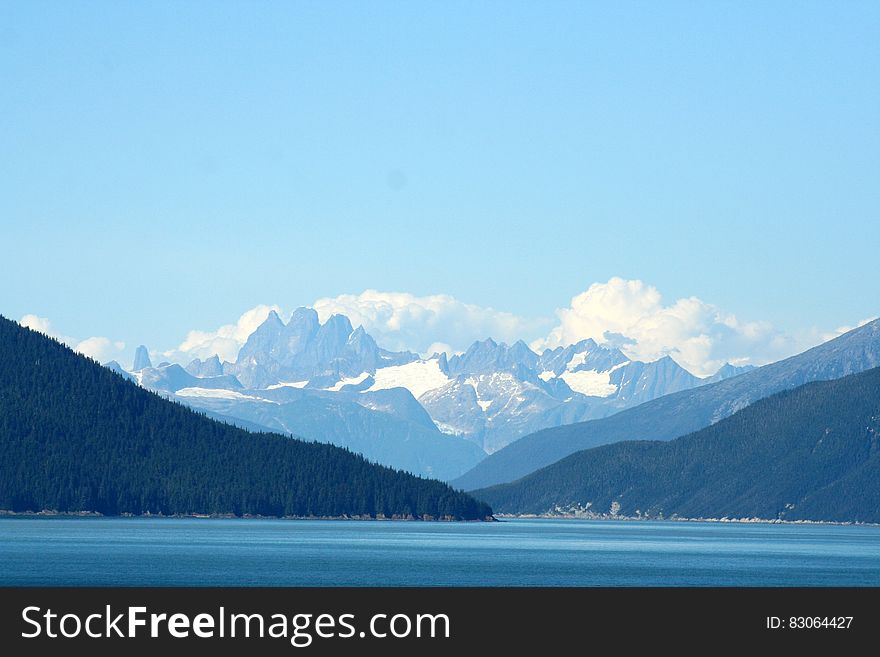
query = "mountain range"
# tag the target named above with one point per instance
(440, 416)
(811, 453)
(437, 416)
(680, 413)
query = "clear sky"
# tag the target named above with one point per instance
(166, 166)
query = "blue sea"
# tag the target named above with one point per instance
(247, 552)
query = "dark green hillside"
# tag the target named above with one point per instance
(810, 453)
(75, 436)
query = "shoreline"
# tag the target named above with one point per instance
(50, 513)
(741, 521)
(498, 517)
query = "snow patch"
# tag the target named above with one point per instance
(576, 360)
(217, 393)
(448, 429)
(418, 377)
(590, 382)
(497, 385)
(353, 381)
(284, 384)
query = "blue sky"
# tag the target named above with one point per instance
(167, 166)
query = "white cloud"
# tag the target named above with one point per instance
(439, 348)
(625, 313)
(224, 341)
(44, 326)
(100, 348)
(41, 324)
(403, 321)
(840, 330)
(698, 335)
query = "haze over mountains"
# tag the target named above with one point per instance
(435, 416)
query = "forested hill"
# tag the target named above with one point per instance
(75, 436)
(812, 453)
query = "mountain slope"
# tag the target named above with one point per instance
(812, 453)
(384, 436)
(75, 436)
(674, 415)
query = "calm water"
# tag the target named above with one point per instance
(139, 551)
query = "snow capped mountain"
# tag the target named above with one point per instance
(489, 356)
(483, 398)
(586, 355)
(500, 393)
(490, 408)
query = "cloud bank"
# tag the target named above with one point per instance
(41, 325)
(224, 341)
(700, 336)
(98, 347)
(628, 314)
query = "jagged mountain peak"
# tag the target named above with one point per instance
(727, 371)
(339, 324)
(141, 359)
(587, 344)
(305, 349)
(272, 325)
(520, 349)
(273, 318)
(304, 314)
(481, 346)
(488, 355)
(586, 355)
(208, 367)
(362, 342)
(666, 361)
